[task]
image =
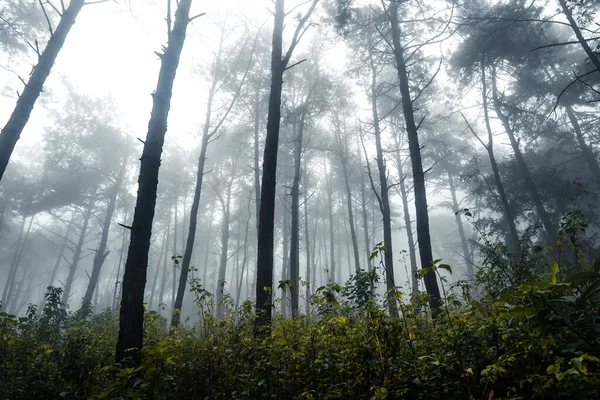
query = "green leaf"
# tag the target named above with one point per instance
(446, 267)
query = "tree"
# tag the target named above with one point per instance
(279, 63)
(131, 316)
(18, 119)
(221, 74)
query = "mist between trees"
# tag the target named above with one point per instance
(398, 153)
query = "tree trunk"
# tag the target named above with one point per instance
(77, 252)
(191, 238)
(224, 251)
(264, 262)
(117, 294)
(414, 280)
(584, 44)
(18, 119)
(344, 160)
(285, 273)
(307, 243)
(586, 150)
(257, 118)
(101, 252)
(384, 200)
(13, 266)
(423, 235)
(244, 261)
(461, 230)
(264, 265)
(365, 220)
(131, 321)
(159, 262)
(295, 234)
(549, 227)
(17, 263)
(514, 246)
(332, 266)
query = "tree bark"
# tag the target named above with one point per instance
(131, 321)
(423, 235)
(101, 252)
(18, 119)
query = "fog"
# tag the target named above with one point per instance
(504, 96)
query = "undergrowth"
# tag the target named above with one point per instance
(532, 335)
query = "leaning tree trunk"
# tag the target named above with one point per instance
(514, 244)
(77, 252)
(423, 235)
(461, 229)
(587, 152)
(13, 266)
(18, 119)
(407, 222)
(549, 227)
(384, 202)
(131, 321)
(593, 56)
(191, 238)
(101, 252)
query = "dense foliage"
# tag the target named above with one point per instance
(537, 336)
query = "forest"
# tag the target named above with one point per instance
(302, 199)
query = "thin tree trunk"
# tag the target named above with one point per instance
(175, 254)
(13, 266)
(461, 230)
(9, 135)
(285, 273)
(587, 152)
(549, 227)
(584, 44)
(365, 220)
(117, 289)
(159, 262)
(78, 250)
(244, 261)
(257, 118)
(344, 160)
(131, 321)
(384, 201)
(332, 266)
(165, 262)
(101, 252)
(295, 233)
(414, 280)
(17, 263)
(191, 238)
(514, 244)
(224, 251)
(307, 243)
(423, 235)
